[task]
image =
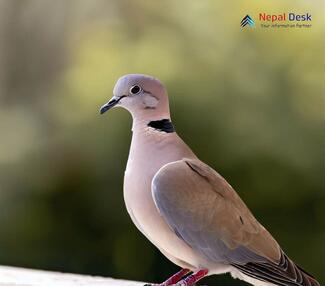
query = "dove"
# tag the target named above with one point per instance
(184, 207)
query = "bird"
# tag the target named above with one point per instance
(184, 207)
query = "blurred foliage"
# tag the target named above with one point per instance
(251, 103)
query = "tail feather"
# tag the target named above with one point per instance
(284, 273)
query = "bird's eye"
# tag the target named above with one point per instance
(135, 89)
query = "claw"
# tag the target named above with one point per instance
(172, 280)
(193, 278)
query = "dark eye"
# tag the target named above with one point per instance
(135, 89)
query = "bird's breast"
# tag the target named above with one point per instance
(137, 195)
(145, 160)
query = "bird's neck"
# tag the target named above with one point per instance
(154, 144)
(161, 124)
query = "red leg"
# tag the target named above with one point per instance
(172, 280)
(175, 278)
(193, 278)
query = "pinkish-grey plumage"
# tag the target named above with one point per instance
(186, 208)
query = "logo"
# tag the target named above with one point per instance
(284, 17)
(285, 20)
(247, 20)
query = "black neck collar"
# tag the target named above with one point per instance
(163, 125)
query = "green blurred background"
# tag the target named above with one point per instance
(250, 102)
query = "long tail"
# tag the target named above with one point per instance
(285, 273)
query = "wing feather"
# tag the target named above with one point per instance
(205, 211)
(285, 273)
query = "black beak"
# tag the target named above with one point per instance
(110, 104)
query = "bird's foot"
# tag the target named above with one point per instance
(187, 281)
(193, 278)
(172, 280)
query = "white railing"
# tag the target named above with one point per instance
(12, 276)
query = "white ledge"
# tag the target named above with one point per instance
(12, 276)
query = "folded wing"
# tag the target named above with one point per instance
(205, 211)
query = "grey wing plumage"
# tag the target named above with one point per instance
(284, 273)
(205, 211)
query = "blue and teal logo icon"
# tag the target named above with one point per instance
(247, 20)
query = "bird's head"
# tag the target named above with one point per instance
(143, 96)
